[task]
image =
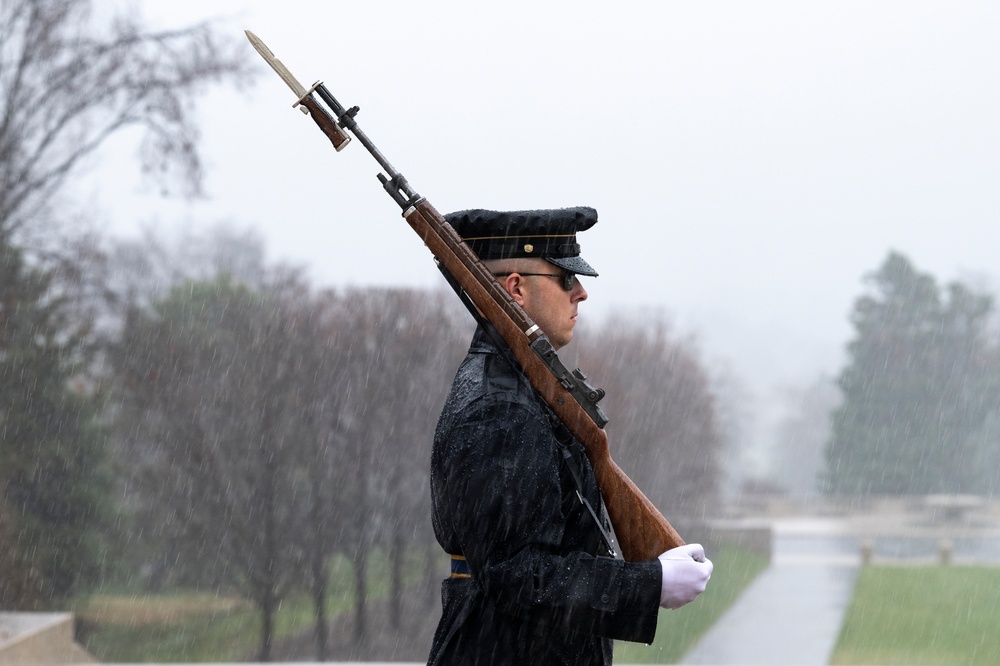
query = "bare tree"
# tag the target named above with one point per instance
(68, 83)
(664, 428)
(143, 269)
(328, 469)
(422, 340)
(393, 353)
(213, 387)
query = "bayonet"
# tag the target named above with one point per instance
(304, 97)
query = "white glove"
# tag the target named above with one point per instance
(686, 571)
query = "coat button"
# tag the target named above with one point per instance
(605, 599)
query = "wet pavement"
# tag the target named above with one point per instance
(792, 613)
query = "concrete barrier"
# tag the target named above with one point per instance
(40, 639)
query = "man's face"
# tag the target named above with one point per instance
(546, 302)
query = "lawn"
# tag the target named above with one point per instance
(198, 627)
(180, 627)
(184, 626)
(922, 615)
(678, 630)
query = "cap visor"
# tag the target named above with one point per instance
(574, 265)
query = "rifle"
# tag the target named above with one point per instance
(643, 533)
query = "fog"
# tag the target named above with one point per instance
(247, 447)
(750, 162)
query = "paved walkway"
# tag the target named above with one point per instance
(791, 614)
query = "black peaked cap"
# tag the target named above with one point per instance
(548, 234)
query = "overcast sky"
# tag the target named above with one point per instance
(750, 161)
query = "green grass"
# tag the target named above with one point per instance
(196, 627)
(678, 630)
(185, 627)
(194, 632)
(922, 615)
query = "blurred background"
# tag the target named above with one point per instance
(222, 352)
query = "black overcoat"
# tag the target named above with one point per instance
(542, 589)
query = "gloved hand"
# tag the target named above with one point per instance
(686, 571)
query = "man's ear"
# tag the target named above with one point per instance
(514, 285)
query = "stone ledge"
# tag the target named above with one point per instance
(40, 639)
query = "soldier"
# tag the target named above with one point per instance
(535, 579)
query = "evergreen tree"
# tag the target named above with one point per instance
(920, 382)
(54, 479)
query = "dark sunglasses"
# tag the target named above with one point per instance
(567, 279)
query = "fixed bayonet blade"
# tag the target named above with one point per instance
(282, 71)
(309, 106)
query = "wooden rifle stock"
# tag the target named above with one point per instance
(643, 533)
